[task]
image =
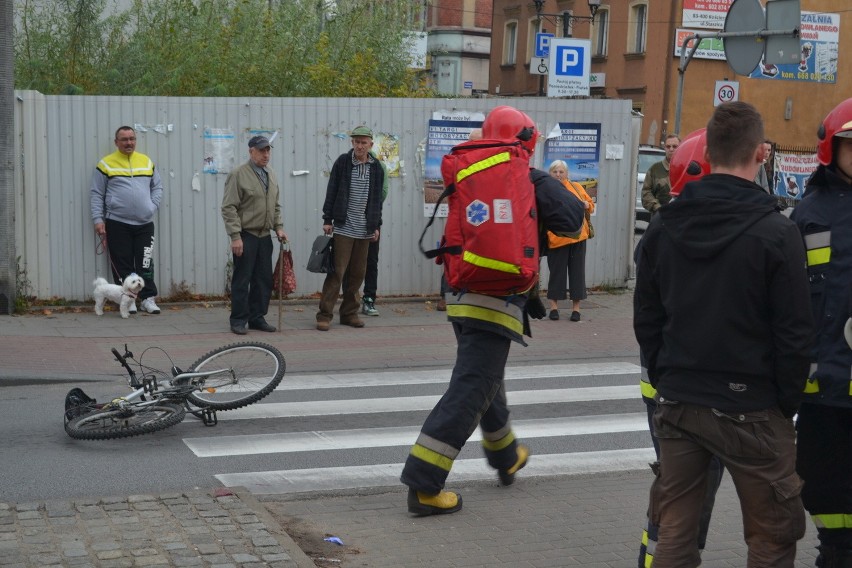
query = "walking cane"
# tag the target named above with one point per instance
(280, 281)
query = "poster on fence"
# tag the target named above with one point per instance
(441, 136)
(218, 150)
(792, 172)
(578, 144)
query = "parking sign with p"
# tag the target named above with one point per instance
(570, 67)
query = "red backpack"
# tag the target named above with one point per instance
(490, 243)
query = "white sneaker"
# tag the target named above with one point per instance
(132, 308)
(149, 306)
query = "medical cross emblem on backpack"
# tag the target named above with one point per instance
(477, 213)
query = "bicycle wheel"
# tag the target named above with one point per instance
(250, 371)
(112, 423)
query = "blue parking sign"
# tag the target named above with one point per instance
(542, 44)
(570, 67)
(570, 60)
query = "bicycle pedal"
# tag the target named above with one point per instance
(208, 416)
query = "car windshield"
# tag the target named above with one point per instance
(648, 160)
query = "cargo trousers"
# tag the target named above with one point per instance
(758, 449)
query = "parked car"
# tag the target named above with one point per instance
(648, 156)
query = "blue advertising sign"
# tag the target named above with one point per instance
(819, 36)
(441, 136)
(579, 146)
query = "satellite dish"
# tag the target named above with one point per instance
(783, 15)
(744, 53)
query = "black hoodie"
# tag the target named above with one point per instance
(722, 311)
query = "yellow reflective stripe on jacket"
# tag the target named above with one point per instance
(647, 390)
(812, 384)
(498, 317)
(645, 387)
(477, 167)
(833, 521)
(491, 263)
(819, 248)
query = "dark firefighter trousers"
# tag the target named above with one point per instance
(475, 396)
(824, 462)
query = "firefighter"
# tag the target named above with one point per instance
(688, 164)
(824, 446)
(485, 327)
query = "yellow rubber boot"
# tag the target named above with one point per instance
(443, 503)
(507, 477)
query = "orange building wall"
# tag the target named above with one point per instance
(651, 79)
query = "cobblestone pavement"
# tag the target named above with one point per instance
(226, 529)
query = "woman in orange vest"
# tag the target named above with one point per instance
(566, 256)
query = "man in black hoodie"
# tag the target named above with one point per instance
(722, 315)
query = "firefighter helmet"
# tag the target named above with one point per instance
(688, 162)
(837, 123)
(508, 123)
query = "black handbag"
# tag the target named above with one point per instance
(321, 260)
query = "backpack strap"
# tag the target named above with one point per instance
(440, 250)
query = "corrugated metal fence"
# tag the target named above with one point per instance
(59, 139)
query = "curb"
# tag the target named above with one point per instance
(298, 556)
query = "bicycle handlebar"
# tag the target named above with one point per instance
(124, 364)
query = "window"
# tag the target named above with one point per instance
(510, 43)
(534, 28)
(638, 28)
(600, 33)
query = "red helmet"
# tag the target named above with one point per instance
(837, 123)
(688, 162)
(508, 123)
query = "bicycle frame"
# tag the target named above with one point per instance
(180, 386)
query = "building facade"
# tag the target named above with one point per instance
(459, 45)
(634, 57)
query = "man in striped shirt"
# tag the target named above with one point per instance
(352, 212)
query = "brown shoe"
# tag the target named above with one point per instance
(442, 305)
(354, 322)
(323, 325)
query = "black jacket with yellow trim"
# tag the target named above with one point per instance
(824, 218)
(559, 212)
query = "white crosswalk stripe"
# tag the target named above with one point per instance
(601, 427)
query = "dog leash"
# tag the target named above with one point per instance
(101, 249)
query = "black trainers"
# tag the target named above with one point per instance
(507, 477)
(443, 503)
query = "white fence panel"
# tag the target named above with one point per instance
(59, 139)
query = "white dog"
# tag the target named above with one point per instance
(124, 295)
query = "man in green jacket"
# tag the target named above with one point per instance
(251, 210)
(656, 190)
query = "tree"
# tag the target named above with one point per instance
(218, 48)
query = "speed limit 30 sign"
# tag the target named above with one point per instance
(726, 91)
